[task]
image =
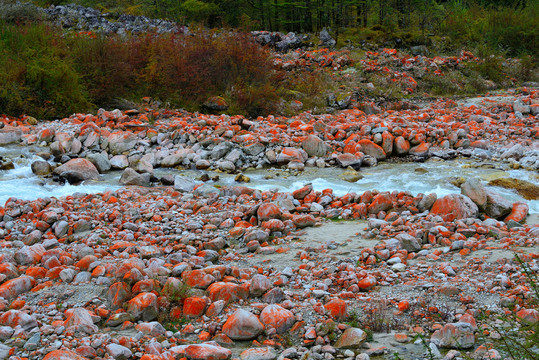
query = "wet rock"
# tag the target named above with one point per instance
(474, 189)
(101, 162)
(352, 338)
(183, 184)
(242, 178)
(77, 170)
(454, 206)
(242, 325)
(497, 206)
(40, 168)
(528, 190)
(131, 177)
(351, 175)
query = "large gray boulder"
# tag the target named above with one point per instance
(77, 170)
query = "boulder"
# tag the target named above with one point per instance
(350, 160)
(455, 336)
(352, 338)
(121, 141)
(100, 160)
(242, 325)
(77, 170)
(314, 146)
(454, 206)
(497, 206)
(10, 134)
(371, 149)
(474, 189)
(277, 317)
(131, 177)
(40, 167)
(183, 184)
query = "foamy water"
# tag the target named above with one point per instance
(22, 183)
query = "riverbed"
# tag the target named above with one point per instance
(433, 176)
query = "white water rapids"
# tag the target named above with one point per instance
(428, 177)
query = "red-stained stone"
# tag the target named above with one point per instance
(367, 282)
(194, 307)
(277, 317)
(519, 212)
(268, 211)
(63, 355)
(143, 306)
(370, 148)
(197, 278)
(242, 325)
(207, 351)
(337, 308)
(381, 202)
(15, 287)
(454, 206)
(117, 294)
(228, 292)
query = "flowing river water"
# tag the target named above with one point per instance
(431, 176)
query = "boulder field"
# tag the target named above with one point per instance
(167, 268)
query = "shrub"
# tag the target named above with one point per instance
(36, 74)
(20, 12)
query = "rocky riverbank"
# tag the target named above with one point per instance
(170, 268)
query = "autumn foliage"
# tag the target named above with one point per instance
(177, 69)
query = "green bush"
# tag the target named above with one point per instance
(37, 76)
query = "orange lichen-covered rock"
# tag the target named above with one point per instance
(143, 306)
(519, 212)
(197, 278)
(242, 325)
(277, 317)
(13, 318)
(14, 287)
(337, 308)
(370, 148)
(117, 294)
(194, 307)
(454, 206)
(63, 355)
(381, 202)
(207, 351)
(367, 282)
(268, 211)
(227, 291)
